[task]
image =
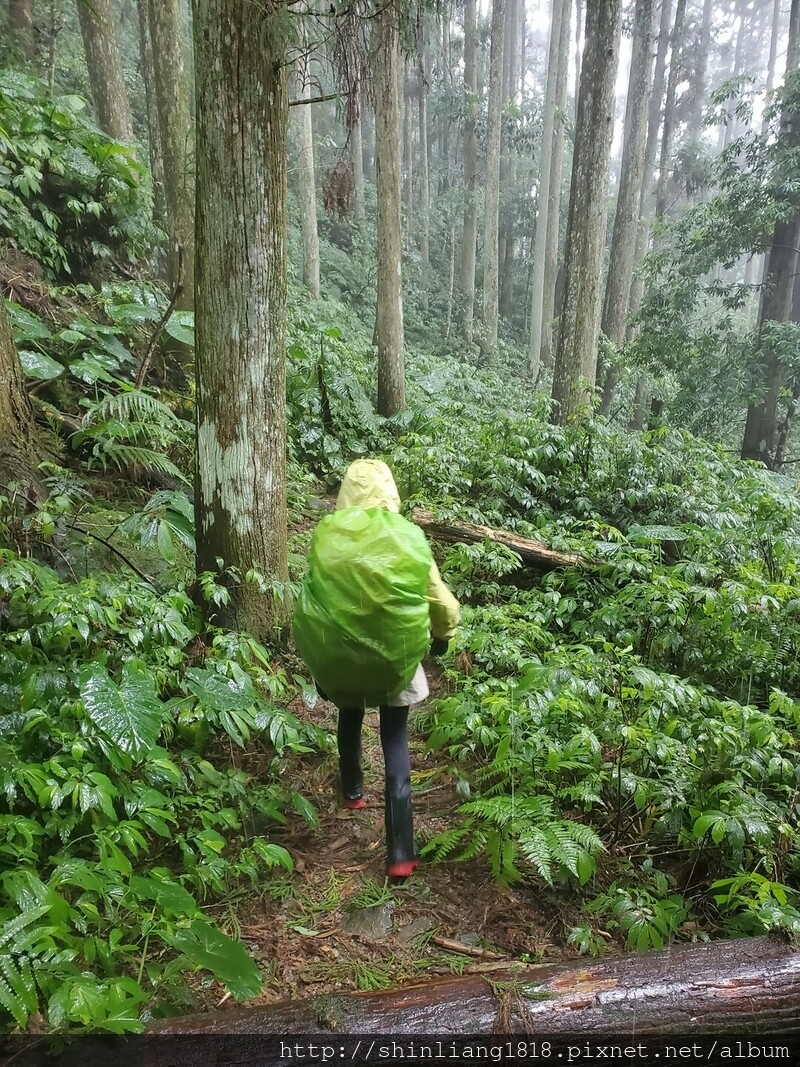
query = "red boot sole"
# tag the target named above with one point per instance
(401, 870)
(355, 805)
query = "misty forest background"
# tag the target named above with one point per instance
(542, 258)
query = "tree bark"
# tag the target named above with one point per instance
(18, 449)
(389, 310)
(761, 434)
(750, 986)
(242, 125)
(155, 150)
(491, 278)
(174, 121)
(669, 110)
(307, 183)
(559, 13)
(470, 231)
(408, 154)
(626, 218)
(534, 553)
(424, 174)
(99, 32)
(586, 228)
(554, 206)
(357, 152)
(20, 20)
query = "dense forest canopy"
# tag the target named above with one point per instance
(539, 257)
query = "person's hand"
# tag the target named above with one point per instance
(439, 646)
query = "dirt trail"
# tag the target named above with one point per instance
(335, 923)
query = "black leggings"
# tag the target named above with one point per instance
(394, 742)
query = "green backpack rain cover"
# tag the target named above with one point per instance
(361, 622)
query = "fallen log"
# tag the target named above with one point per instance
(533, 553)
(751, 986)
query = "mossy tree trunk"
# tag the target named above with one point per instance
(469, 232)
(18, 447)
(576, 356)
(491, 265)
(242, 122)
(20, 19)
(99, 32)
(385, 47)
(761, 434)
(626, 218)
(174, 123)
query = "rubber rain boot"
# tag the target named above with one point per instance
(400, 848)
(350, 780)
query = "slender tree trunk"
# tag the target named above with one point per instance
(99, 32)
(762, 429)
(626, 219)
(20, 20)
(470, 230)
(357, 151)
(444, 122)
(554, 186)
(669, 110)
(580, 318)
(153, 129)
(304, 130)
(451, 243)
(508, 165)
(243, 114)
(654, 108)
(731, 126)
(578, 25)
(389, 311)
(559, 14)
(492, 201)
(172, 96)
(424, 175)
(408, 155)
(694, 119)
(773, 55)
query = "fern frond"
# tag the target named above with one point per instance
(133, 405)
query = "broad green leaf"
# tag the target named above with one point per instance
(218, 693)
(207, 947)
(168, 894)
(180, 325)
(130, 714)
(38, 365)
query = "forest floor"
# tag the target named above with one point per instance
(335, 924)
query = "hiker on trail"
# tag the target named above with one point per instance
(372, 606)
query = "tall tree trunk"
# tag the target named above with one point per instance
(554, 206)
(444, 121)
(761, 428)
(559, 14)
(20, 20)
(508, 164)
(408, 154)
(694, 118)
(470, 230)
(385, 48)
(18, 451)
(242, 112)
(172, 97)
(731, 126)
(357, 152)
(99, 32)
(626, 219)
(588, 205)
(654, 108)
(492, 199)
(424, 174)
(773, 55)
(153, 129)
(578, 25)
(669, 109)
(304, 129)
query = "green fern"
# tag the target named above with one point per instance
(18, 995)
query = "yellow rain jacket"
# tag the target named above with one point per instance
(368, 483)
(372, 598)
